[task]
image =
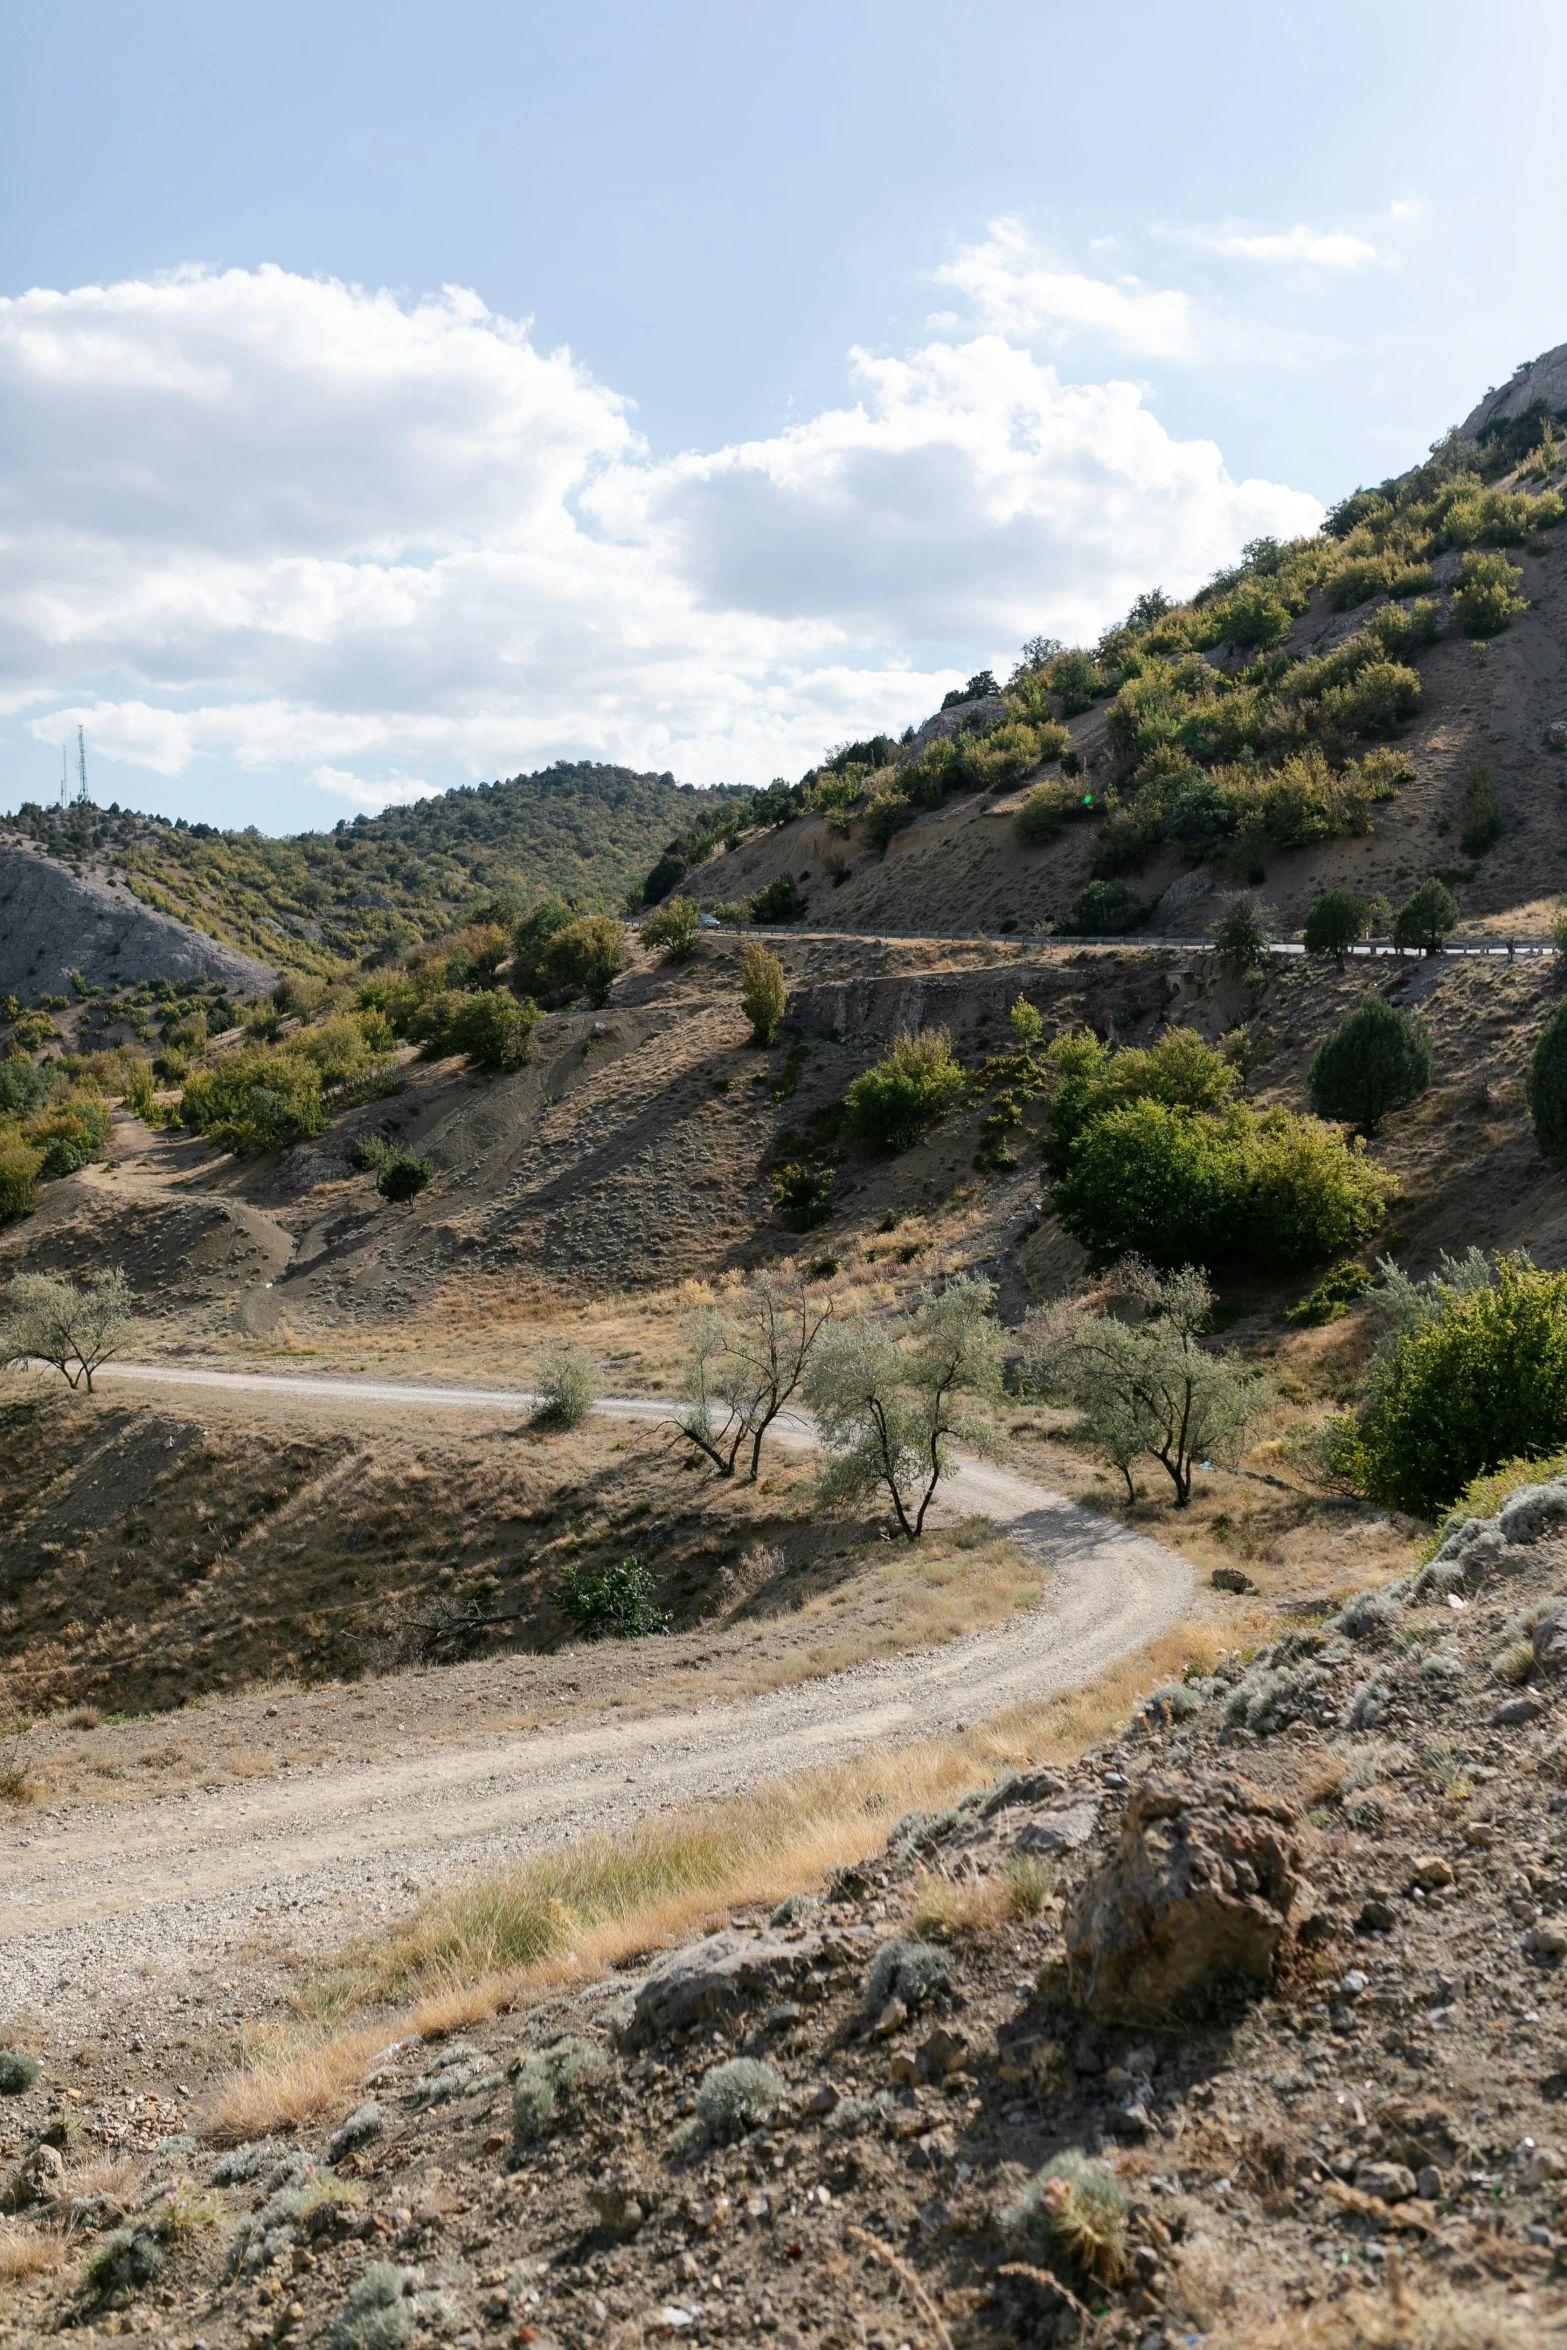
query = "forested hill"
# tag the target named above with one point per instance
(372, 885)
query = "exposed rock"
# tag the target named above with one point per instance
(975, 717)
(1550, 1638)
(1390, 2182)
(1517, 1711)
(720, 1978)
(1063, 1829)
(1231, 1579)
(1534, 1510)
(1022, 1787)
(52, 922)
(1542, 381)
(1204, 1883)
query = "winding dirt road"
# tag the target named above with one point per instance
(183, 1875)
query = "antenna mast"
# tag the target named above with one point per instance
(81, 767)
(65, 769)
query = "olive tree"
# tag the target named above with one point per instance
(1147, 1387)
(745, 1360)
(889, 1401)
(1243, 935)
(75, 1330)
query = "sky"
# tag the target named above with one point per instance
(397, 396)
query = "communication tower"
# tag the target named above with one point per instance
(81, 768)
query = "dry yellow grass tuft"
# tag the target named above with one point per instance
(295, 2086)
(28, 2252)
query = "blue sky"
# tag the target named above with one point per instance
(393, 395)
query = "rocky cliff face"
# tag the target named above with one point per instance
(1543, 382)
(52, 923)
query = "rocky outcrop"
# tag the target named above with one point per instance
(1204, 1885)
(1542, 382)
(731, 1973)
(975, 717)
(53, 923)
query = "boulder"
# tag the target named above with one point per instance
(1390, 2182)
(715, 1980)
(1550, 1638)
(1534, 1510)
(1064, 1827)
(1204, 1884)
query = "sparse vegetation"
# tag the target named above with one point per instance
(672, 931)
(612, 1603)
(1489, 592)
(567, 1382)
(75, 1329)
(744, 1361)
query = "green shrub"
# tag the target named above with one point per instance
(780, 901)
(1073, 2214)
(124, 2261)
(1027, 1025)
(889, 810)
(377, 2315)
(546, 2079)
(138, 1089)
(259, 1098)
(1425, 919)
(1488, 594)
(803, 1192)
(585, 958)
(1337, 921)
(896, 1102)
(18, 2072)
(915, 1972)
(1106, 909)
(1178, 1188)
(20, 1169)
(1048, 809)
(567, 1383)
(1252, 619)
(736, 2096)
(1077, 677)
(1546, 1088)
(615, 1603)
(1400, 631)
(1377, 1060)
(763, 992)
(1482, 816)
(1332, 1298)
(1477, 1375)
(1089, 1081)
(400, 1176)
(531, 942)
(672, 931)
(493, 1029)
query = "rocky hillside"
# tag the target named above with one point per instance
(54, 923)
(1245, 2027)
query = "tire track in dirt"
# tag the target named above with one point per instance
(184, 1875)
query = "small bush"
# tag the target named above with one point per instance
(1482, 817)
(915, 1972)
(1074, 2215)
(1489, 593)
(401, 1175)
(1546, 1089)
(895, 1103)
(614, 1603)
(568, 1385)
(804, 1192)
(1425, 919)
(377, 2314)
(736, 2096)
(545, 2081)
(1332, 1298)
(763, 992)
(672, 931)
(1377, 1060)
(1046, 811)
(1480, 1377)
(780, 901)
(1337, 921)
(18, 2072)
(1368, 1614)
(1027, 1025)
(127, 2259)
(1106, 909)
(494, 1029)
(21, 1169)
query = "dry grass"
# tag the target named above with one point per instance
(1401, 2319)
(118, 2176)
(296, 2086)
(28, 2252)
(943, 1908)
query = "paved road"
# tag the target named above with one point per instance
(90, 1897)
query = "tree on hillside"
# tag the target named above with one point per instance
(75, 1330)
(1375, 1061)
(586, 958)
(763, 993)
(894, 1103)
(672, 930)
(1243, 934)
(746, 1359)
(888, 1404)
(1147, 1387)
(1336, 922)
(1425, 919)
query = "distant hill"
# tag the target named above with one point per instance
(318, 900)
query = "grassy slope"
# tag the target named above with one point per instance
(319, 899)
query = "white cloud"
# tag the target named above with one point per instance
(1301, 246)
(1016, 289)
(396, 792)
(284, 522)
